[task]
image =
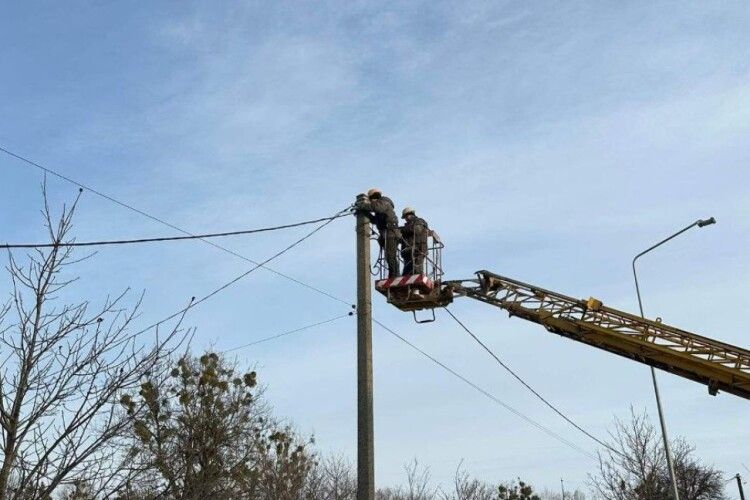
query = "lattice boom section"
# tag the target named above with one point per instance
(716, 364)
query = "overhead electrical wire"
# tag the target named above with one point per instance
(489, 395)
(114, 200)
(168, 238)
(289, 332)
(527, 386)
(193, 303)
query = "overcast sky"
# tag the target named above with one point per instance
(545, 141)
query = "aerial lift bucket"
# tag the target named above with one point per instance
(417, 292)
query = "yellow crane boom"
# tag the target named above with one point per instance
(718, 365)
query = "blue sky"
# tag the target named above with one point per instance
(546, 141)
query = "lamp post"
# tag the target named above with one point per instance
(667, 451)
(739, 485)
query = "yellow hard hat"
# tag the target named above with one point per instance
(374, 191)
(407, 211)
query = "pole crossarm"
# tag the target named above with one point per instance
(718, 365)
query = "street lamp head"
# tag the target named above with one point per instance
(706, 222)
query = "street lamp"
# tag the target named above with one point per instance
(667, 450)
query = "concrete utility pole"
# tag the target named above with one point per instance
(739, 485)
(365, 430)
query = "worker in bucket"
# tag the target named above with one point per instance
(381, 212)
(414, 235)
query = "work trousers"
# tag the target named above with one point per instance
(388, 240)
(414, 259)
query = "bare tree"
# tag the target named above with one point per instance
(417, 485)
(516, 491)
(63, 368)
(569, 495)
(418, 482)
(695, 480)
(284, 468)
(79, 490)
(333, 478)
(629, 470)
(205, 432)
(467, 488)
(634, 468)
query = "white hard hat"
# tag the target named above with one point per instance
(372, 192)
(407, 211)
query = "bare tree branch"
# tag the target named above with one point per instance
(64, 368)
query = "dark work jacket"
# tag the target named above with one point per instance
(415, 232)
(383, 213)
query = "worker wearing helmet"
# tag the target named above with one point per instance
(381, 212)
(414, 235)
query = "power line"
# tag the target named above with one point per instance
(289, 332)
(169, 224)
(290, 278)
(226, 285)
(488, 394)
(527, 386)
(169, 238)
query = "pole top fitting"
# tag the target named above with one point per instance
(706, 222)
